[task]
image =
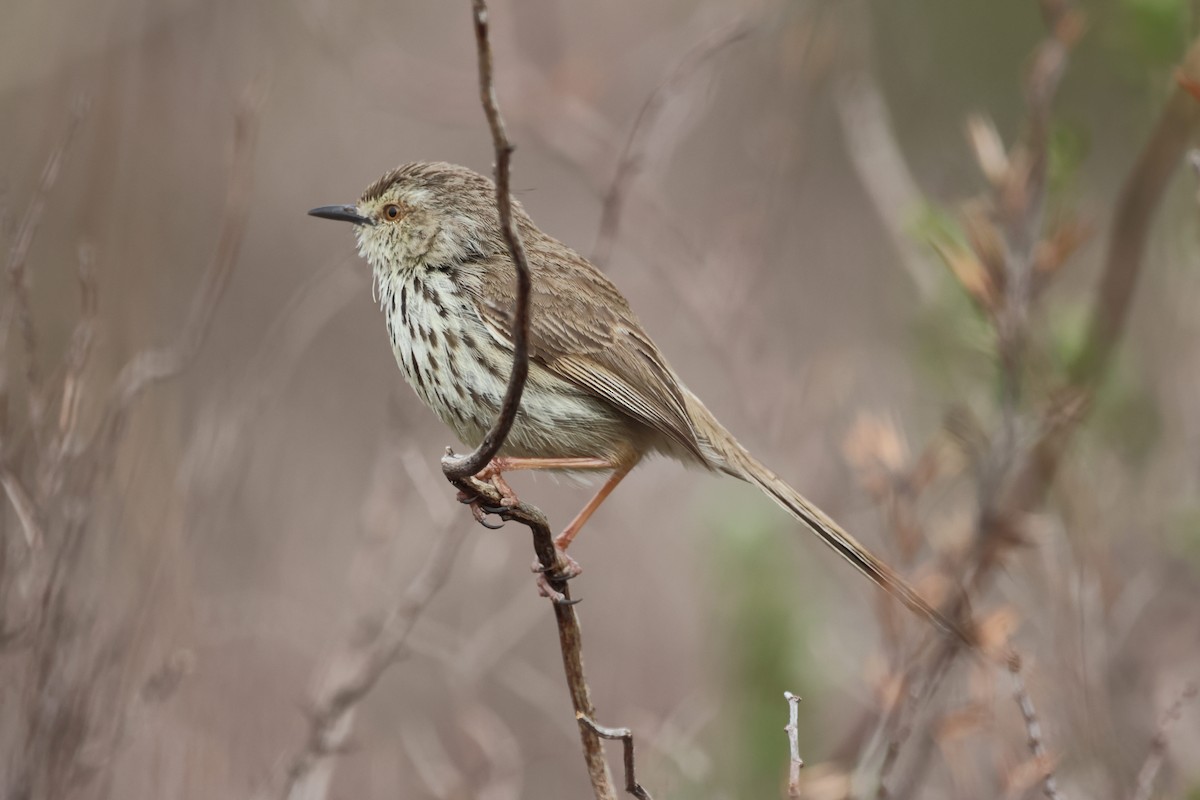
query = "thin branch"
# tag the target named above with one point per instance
(1136, 206)
(570, 639)
(19, 254)
(626, 737)
(356, 670)
(1033, 729)
(458, 468)
(1158, 745)
(23, 505)
(795, 763)
(875, 154)
(631, 157)
(154, 365)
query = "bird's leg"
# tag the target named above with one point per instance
(565, 566)
(494, 472)
(563, 540)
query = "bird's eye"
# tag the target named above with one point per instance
(392, 212)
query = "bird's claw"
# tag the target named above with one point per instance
(564, 569)
(480, 508)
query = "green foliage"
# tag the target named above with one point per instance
(953, 341)
(1183, 533)
(1153, 31)
(762, 637)
(1069, 146)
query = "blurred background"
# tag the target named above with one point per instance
(217, 486)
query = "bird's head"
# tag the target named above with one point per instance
(424, 216)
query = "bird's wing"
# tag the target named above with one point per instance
(582, 330)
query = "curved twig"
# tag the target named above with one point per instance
(457, 468)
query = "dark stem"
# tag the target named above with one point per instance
(626, 737)
(458, 468)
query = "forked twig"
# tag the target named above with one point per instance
(626, 737)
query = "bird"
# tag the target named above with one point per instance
(600, 395)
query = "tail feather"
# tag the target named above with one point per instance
(727, 455)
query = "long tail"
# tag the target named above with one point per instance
(728, 456)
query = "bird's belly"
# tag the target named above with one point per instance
(461, 373)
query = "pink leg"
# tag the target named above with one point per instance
(563, 540)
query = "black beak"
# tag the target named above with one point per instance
(343, 213)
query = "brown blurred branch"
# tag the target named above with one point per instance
(1136, 206)
(1158, 745)
(1004, 235)
(358, 666)
(874, 152)
(19, 254)
(630, 160)
(158, 364)
(1124, 260)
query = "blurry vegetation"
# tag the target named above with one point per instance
(220, 544)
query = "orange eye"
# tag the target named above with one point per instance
(392, 212)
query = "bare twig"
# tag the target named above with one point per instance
(154, 365)
(795, 763)
(626, 737)
(569, 636)
(1033, 729)
(1158, 745)
(457, 467)
(630, 160)
(19, 253)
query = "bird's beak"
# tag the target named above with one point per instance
(343, 213)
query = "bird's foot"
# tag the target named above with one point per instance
(493, 473)
(481, 507)
(565, 568)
